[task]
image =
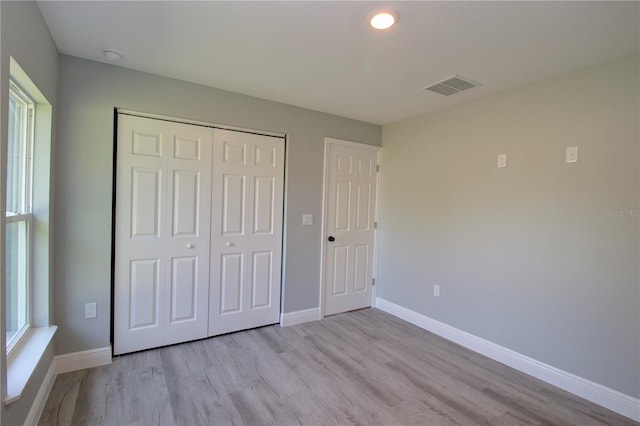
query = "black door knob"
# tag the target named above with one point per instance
(331, 238)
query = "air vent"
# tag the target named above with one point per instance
(452, 85)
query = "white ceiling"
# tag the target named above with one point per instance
(323, 55)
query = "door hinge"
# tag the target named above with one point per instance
(377, 168)
(375, 225)
(373, 282)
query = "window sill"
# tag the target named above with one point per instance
(22, 364)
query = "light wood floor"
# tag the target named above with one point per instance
(362, 368)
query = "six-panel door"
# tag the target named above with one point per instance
(246, 234)
(350, 222)
(163, 184)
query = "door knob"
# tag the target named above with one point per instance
(229, 244)
(189, 246)
(331, 238)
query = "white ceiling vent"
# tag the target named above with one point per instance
(452, 85)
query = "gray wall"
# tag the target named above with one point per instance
(26, 37)
(541, 257)
(89, 91)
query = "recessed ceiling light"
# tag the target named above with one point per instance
(112, 55)
(383, 20)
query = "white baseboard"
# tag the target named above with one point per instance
(298, 317)
(65, 364)
(41, 397)
(81, 360)
(609, 398)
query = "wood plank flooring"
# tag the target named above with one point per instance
(362, 368)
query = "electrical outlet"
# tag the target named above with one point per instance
(572, 154)
(90, 310)
(436, 290)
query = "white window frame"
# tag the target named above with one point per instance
(27, 214)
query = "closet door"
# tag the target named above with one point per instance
(246, 235)
(162, 231)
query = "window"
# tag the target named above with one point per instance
(19, 219)
(26, 168)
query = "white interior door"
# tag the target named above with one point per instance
(163, 199)
(246, 235)
(350, 214)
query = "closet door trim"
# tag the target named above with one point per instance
(199, 123)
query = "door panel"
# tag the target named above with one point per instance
(233, 198)
(342, 205)
(184, 285)
(186, 195)
(144, 293)
(246, 227)
(340, 271)
(235, 152)
(263, 211)
(350, 202)
(163, 190)
(147, 142)
(261, 280)
(266, 156)
(363, 207)
(186, 148)
(230, 283)
(145, 208)
(361, 268)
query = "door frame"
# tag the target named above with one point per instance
(325, 189)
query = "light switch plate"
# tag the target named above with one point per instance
(502, 161)
(307, 219)
(90, 310)
(572, 154)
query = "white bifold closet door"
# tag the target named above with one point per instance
(246, 232)
(163, 196)
(192, 260)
